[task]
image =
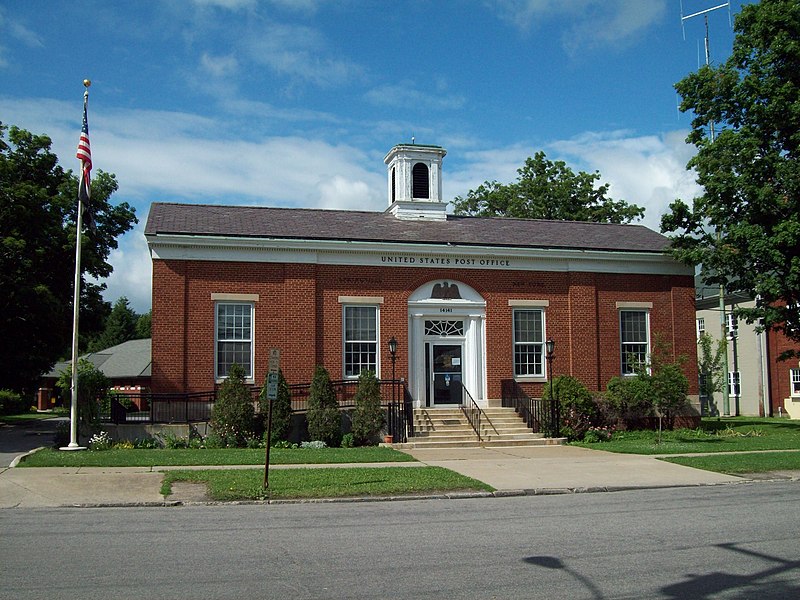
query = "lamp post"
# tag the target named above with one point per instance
(393, 353)
(550, 346)
(393, 356)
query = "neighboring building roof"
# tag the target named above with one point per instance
(125, 361)
(311, 224)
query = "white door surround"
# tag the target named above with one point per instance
(446, 312)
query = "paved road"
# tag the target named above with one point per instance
(720, 542)
(20, 438)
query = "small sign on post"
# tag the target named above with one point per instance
(272, 395)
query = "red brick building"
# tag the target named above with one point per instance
(468, 299)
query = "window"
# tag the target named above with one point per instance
(419, 181)
(794, 379)
(444, 328)
(635, 343)
(734, 383)
(234, 338)
(529, 343)
(360, 340)
(701, 326)
(731, 323)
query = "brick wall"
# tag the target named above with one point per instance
(298, 311)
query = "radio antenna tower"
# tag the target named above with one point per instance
(723, 320)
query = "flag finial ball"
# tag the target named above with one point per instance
(86, 83)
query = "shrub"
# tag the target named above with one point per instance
(670, 387)
(579, 410)
(11, 403)
(630, 399)
(314, 445)
(233, 413)
(324, 420)
(368, 416)
(348, 441)
(92, 391)
(281, 410)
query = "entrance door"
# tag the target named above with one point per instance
(445, 373)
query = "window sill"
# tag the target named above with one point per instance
(531, 378)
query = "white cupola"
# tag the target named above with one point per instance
(415, 182)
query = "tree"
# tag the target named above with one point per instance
(324, 420)
(120, 326)
(233, 413)
(38, 209)
(368, 416)
(745, 227)
(548, 190)
(709, 366)
(143, 326)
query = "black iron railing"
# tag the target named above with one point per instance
(530, 409)
(470, 409)
(146, 407)
(400, 414)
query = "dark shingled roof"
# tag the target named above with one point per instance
(310, 224)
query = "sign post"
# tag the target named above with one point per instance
(272, 395)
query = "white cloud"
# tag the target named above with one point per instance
(646, 170)
(402, 95)
(133, 270)
(300, 52)
(219, 66)
(587, 23)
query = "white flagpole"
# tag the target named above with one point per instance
(73, 411)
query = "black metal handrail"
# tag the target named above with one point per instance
(530, 409)
(471, 409)
(400, 414)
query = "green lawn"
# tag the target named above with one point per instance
(714, 435)
(32, 416)
(734, 464)
(123, 457)
(246, 484)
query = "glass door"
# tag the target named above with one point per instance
(445, 373)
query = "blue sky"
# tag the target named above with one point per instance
(296, 102)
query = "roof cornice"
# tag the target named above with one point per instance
(425, 255)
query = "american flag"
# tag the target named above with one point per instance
(84, 154)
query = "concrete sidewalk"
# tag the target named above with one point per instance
(524, 470)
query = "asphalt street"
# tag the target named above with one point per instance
(717, 542)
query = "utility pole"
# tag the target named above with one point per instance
(723, 321)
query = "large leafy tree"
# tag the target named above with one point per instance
(548, 190)
(38, 209)
(745, 227)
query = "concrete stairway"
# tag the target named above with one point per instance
(449, 428)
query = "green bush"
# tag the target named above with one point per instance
(670, 387)
(281, 410)
(630, 399)
(348, 441)
(233, 414)
(324, 420)
(93, 388)
(579, 410)
(368, 416)
(11, 403)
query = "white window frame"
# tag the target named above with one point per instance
(249, 368)
(542, 363)
(735, 383)
(794, 383)
(701, 326)
(625, 369)
(731, 323)
(376, 341)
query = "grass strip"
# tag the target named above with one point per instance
(733, 464)
(29, 416)
(127, 457)
(246, 484)
(715, 435)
